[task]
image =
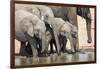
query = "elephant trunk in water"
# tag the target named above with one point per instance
(43, 43)
(51, 21)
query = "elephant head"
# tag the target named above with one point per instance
(27, 26)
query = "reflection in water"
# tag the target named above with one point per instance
(54, 58)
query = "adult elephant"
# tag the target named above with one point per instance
(43, 12)
(27, 26)
(70, 14)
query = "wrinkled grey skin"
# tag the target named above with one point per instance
(65, 29)
(70, 14)
(43, 12)
(67, 13)
(50, 40)
(26, 26)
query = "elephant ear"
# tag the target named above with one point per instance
(30, 31)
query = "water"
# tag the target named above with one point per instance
(54, 58)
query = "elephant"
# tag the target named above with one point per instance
(27, 26)
(70, 14)
(66, 13)
(51, 41)
(43, 12)
(62, 42)
(66, 29)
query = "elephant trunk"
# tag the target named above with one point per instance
(43, 43)
(89, 30)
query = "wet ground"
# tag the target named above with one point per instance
(54, 58)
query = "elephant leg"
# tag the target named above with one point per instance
(43, 40)
(47, 46)
(88, 26)
(28, 50)
(45, 53)
(56, 40)
(23, 51)
(72, 16)
(64, 42)
(32, 43)
(33, 47)
(40, 47)
(75, 43)
(51, 46)
(71, 43)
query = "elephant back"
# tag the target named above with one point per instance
(30, 8)
(39, 10)
(45, 10)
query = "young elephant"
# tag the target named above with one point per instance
(65, 29)
(51, 40)
(27, 26)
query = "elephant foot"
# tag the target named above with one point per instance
(81, 51)
(64, 51)
(43, 55)
(71, 51)
(52, 52)
(24, 53)
(59, 54)
(29, 55)
(77, 50)
(89, 41)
